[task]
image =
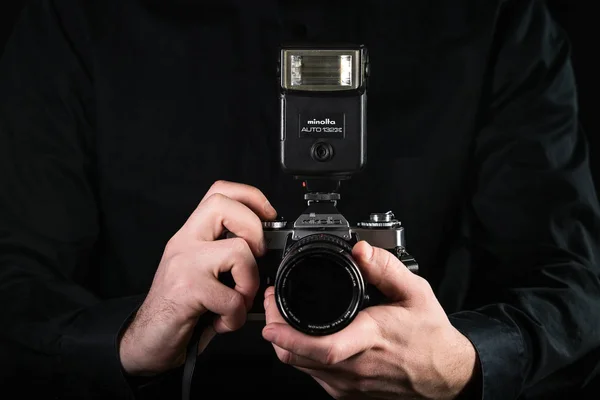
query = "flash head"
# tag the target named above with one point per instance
(323, 69)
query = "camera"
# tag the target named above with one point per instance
(319, 288)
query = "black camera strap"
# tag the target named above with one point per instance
(191, 355)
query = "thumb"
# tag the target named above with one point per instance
(385, 271)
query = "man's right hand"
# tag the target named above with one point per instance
(186, 283)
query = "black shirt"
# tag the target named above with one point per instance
(116, 116)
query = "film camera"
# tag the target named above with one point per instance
(318, 287)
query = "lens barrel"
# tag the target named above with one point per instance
(319, 289)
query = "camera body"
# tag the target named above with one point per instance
(319, 288)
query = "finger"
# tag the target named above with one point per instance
(383, 270)
(272, 313)
(226, 302)
(231, 305)
(234, 255)
(220, 212)
(269, 291)
(248, 195)
(273, 316)
(287, 357)
(357, 337)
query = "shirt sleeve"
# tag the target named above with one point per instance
(534, 224)
(56, 336)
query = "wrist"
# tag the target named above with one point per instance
(463, 367)
(135, 361)
(148, 348)
(473, 388)
(129, 360)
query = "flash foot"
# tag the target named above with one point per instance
(321, 196)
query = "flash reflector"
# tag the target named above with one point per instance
(322, 70)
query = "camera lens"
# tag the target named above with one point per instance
(322, 151)
(319, 289)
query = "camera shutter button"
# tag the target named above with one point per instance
(382, 217)
(380, 220)
(277, 224)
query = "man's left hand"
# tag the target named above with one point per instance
(405, 349)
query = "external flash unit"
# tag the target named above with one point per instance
(323, 111)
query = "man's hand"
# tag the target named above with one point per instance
(406, 349)
(186, 283)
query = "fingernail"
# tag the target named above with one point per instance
(267, 302)
(269, 208)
